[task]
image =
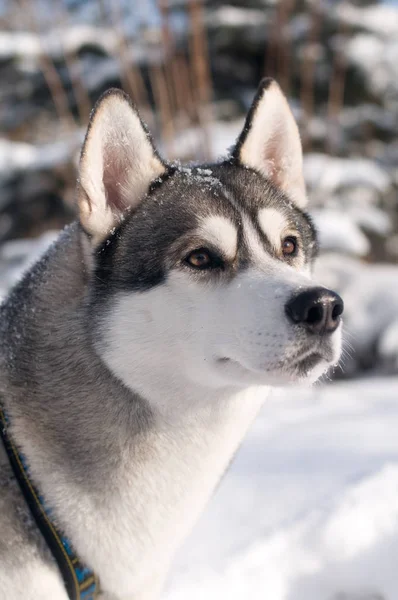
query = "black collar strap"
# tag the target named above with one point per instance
(80, 582)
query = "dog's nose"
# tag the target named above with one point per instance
(316, 309)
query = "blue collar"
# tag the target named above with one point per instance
(80, 582)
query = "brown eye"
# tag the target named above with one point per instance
(289, 246)
(200, 259)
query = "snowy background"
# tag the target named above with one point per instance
(309, 508)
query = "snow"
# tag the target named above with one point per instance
(388, 345)
(308, 510)
(21, 156)
(370, 295)
(56, 42)
(377, 59)
(378, 19)
(337, 231)
(233, 16)
(327, 173)
(224, 135)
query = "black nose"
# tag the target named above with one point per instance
(316, 309)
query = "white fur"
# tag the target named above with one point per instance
(273, 224)
(222, 233)
(33, 582)
(253, 240)
(243, 321)
(272, 145)
(203, 406)
(157, 501)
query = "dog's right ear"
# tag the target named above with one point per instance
(117, 164)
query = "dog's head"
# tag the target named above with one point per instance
(204, 272)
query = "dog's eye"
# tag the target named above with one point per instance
(289, 246)
(200, 259)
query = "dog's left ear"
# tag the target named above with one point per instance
(117, 165)
(270, 142)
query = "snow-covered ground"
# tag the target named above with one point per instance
(309, 508)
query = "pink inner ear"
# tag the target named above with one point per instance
(115, 176)
(273, 161)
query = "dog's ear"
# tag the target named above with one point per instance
(117, 164)
(270, 142)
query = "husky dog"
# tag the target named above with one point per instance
(137, 352)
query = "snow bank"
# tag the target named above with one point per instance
(309, 508)
(370, 293)
(347, 199)
(57, 42)
(379, 19)
(327, 173)
(338, 231)
(19, 156)
(377, 59)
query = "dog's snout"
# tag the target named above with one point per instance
(317, 309)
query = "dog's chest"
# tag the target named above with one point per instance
(158, 496)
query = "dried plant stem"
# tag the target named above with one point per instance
(272, 49)
(74, 69)
(130, 74)
(336, 95)
(159, 88)
(284, 14)
(168, 53)
(308, 73)
(199, 59)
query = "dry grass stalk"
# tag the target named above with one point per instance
(284, 14)
(162, 103)
(74, 69)
(200, 68)
(130, 74)
(308, 73)
(336, 95)
(168, 54)
(272, 47)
